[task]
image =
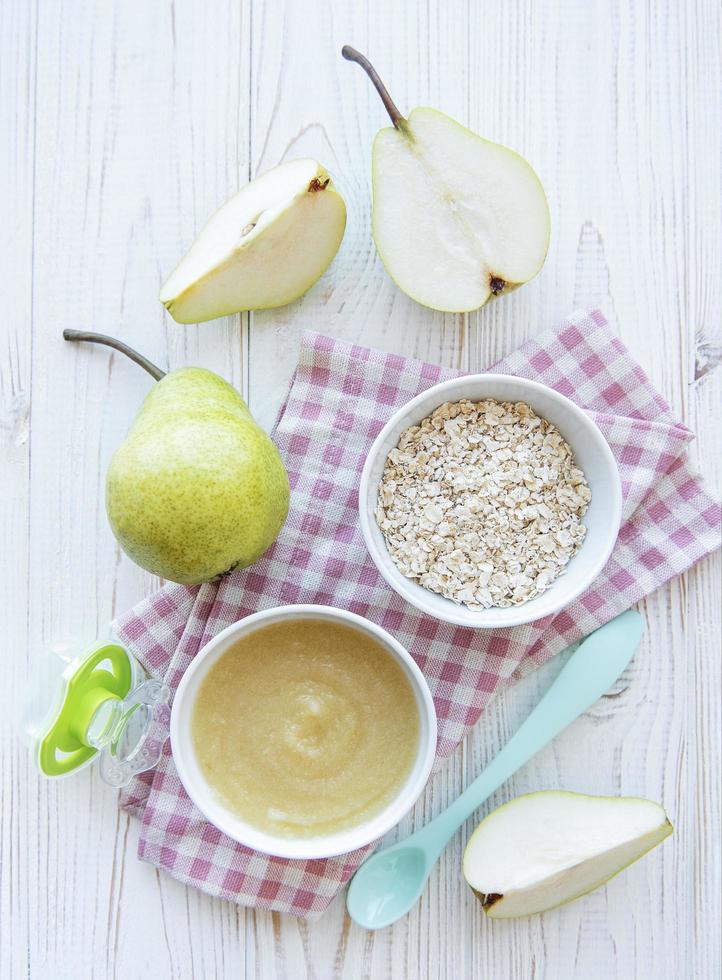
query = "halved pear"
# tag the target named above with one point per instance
(545, 849)
(264, 247)
(456, 218)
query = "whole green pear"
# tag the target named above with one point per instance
(197, 488)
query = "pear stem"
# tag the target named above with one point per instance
(351, 54)
(101, 338)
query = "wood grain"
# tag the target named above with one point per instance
(124, 126)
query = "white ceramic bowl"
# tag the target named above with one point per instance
(213, 808)
(592, 454)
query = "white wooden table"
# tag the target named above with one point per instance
(123, 126)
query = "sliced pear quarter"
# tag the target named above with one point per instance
(457, 219)
(264, 247)
(545, 849)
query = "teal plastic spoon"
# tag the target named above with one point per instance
(387, 885)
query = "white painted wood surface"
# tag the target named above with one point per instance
(123, 126)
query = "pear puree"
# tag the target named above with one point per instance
(305, 728)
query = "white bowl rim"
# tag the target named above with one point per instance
(300, 848)
(460, 615)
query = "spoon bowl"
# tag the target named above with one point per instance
(391, 884)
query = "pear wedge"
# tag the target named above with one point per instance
(264, 247)
(545, 849)
(457, 219)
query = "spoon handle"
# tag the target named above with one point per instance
(590, 671)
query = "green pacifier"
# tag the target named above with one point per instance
(96, 702)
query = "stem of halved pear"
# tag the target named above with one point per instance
(101, 338)
(351, 54)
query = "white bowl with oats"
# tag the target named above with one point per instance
(490, 501)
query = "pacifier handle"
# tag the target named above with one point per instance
(105, 675)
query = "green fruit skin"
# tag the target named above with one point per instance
(197, 488)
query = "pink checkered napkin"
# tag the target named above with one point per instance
(340, 398)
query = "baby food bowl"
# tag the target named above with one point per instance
(213, 807)
(592, 455)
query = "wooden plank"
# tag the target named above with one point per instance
(17, 160)
(333, 115)
(139, 130)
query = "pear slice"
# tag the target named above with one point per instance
(456, 218)
(264, 247)
(545, 849)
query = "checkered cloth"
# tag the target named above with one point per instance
(340, 397)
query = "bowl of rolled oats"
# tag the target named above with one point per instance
(490, 501)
